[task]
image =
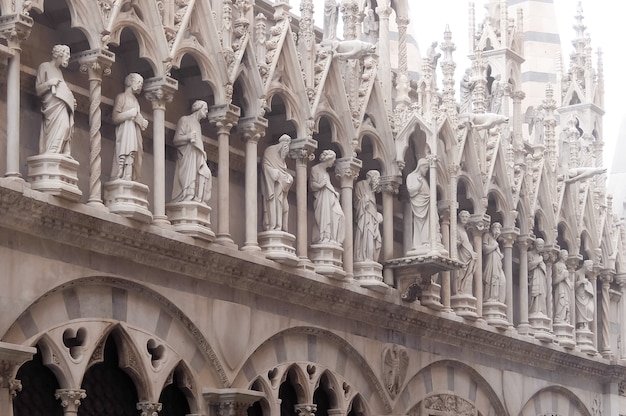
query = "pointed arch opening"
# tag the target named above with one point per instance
(110, 390)
(38, 387)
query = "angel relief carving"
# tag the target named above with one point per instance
(395, 363)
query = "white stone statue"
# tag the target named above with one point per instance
(370, 25)
(466, 87)
(57, 104)
(585, 301)
(419, 195)
(467, 255)
(537, 279)
(275, 184)
(128, 141)
(331, 10)
(562, 289)
(352, 49)
(193, 179)
(329, 217)
(432, 55)
(494, 279)
(497, 92)
(367, 238)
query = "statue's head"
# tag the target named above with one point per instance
(62, 53)
(284, 141)
(422, 166)
(328, 156)
(496, 229)
(588, 265)
(201, 106)
(374, 177)
(563, 254)
(464, 216)
(539, 244)
(134, 81)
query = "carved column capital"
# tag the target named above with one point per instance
(149, 408)
(305, 409)
(70, 399)
(454, 169)
(525, 241)
(518, 95)
(231, 402)
(252, 128)
(384, 11)
(224, 116)
(347, 170)
(95, 62)
(478, 224)
(390, 184)
(160, 91)
(15, 28)
(11, 358)
(620, 279)
(302, 149)
(607, 276)
(509, 236)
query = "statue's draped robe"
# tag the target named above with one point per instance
(191, 163)
(329, 218)
(367, 238)
(494, 279)
(467, 256)
(128, 140)
(275, 185)
(585, 307)
(537, 283)
(419, 194)
(562, 293)
(58, 112)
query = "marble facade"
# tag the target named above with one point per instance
(205, 309)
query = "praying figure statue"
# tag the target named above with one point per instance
(129, 121)
(193, 179)
(494, 279)
(585, 296)
(57, 104)
(562, 290)
(537, 273)
(419, 195)
(275, 185)
(367, 238)
(329, 217)
(467, 255)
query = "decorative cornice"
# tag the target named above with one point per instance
(152, 246)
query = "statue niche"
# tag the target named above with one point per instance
(275, 241)
(189, 211)
(54, 171)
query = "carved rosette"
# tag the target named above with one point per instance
(70, 399)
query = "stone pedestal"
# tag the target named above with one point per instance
(540, 326)
(192, 218)
(431, 296)
(494, 313)
(54, 174)
(128, 199)
(327, 260)
(584, 340)
(413, 276)
(564, 334)
(279, 246)
(464, 305)
(369, 274)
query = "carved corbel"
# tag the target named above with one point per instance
(224, 116)
(160, 91)
(231, 402)
(347, 170)
(252, 128)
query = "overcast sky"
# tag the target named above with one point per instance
(603, 19)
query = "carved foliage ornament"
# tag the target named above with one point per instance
(450, 404)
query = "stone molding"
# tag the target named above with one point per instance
(152, 246)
